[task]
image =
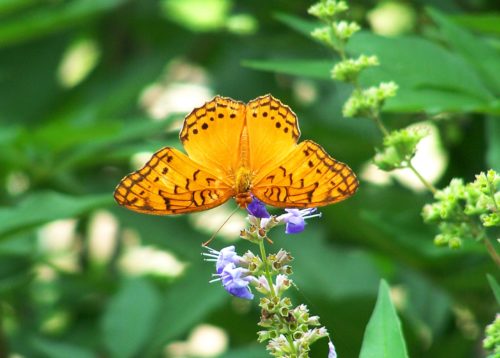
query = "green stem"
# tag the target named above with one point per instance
(376, 118)
(290, 342)
(266, 267)
(422, 179)
(491, 250)
(271, 287)
(479, 233)
(385, 132)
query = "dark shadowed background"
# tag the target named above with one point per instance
(89, 89)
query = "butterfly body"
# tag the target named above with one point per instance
(237, 150)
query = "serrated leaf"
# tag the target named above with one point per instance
(383, 335)
(130, 318)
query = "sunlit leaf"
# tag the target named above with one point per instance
(383, 336)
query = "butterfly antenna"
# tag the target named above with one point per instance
(220, 227)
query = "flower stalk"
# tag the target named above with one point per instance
(363, 102)
(288, 330)
(399, 146)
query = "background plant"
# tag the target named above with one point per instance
(74, 109)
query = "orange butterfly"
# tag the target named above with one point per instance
(237, 150)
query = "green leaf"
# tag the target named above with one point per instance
(48, 19)
(128, 322)
(478, 52)
(298, 24)
(59, 350)
(449, 84)
(88, 152)
(8, 6)
(348, 273)
(493, 142)
(187, 302)
(495, 287)
(383, 335)
(407, 233)
(15, 270)
(305, 68)
(61, 135)
(39, 208)
(428, 305)
(485, 22)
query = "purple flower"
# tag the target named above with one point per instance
(295, 219)
(235, 280)
(258, 209)
(222, 258)
(331, 350)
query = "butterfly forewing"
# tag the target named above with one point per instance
(307, 177)
(273, 132)
(211, 135)
(171, 183)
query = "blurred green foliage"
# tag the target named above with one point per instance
(76, 103)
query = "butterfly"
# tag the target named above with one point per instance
(237, 150)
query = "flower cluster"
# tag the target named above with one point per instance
(261, 221)
(279, 319)
(334, 34)
(363, 102)
(349, 69)
(328, 9)
(232, 270)
(465, 210)
(399, 148)
(491, 341)
(289, 330)
(367, 102)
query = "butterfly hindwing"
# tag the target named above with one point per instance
(171, 183)
(307, 177)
